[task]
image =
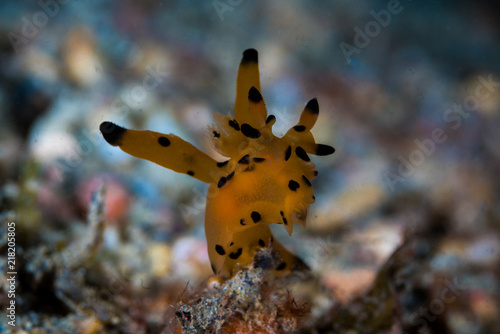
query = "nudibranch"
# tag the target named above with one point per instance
(266, 180)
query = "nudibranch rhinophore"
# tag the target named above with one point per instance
(266, 180)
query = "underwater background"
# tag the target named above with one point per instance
(404, 236)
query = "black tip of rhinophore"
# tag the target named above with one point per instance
(250, 56)
(270, 118)
(313, 106)
(254, 95)
(324, 149)
(112, 133)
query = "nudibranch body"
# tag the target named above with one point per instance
(266, 180)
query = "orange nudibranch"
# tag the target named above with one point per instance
(266, 180)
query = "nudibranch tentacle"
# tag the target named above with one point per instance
(166, 150)
(267, 180)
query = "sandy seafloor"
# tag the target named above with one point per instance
(404, 236)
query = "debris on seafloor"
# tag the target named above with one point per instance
(252, 301)
(401, 286)
(52, 283)
(74, 289)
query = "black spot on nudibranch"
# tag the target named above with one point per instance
(250, 56)
(245, 160)
(242, 222)
(312, 106)
(299, 128)
(222, 164)
(281, 266)
(213, 268)
(258, 159)
(306, 180)
(284, 219)
(288, 153)
(324, 149)
(163, 141)
(222, 182)
(262, 243)
(112, 133)
(237, 254)
(216, 134)
(301, 153)
(249, 131)
(316, 173)
(254, 95)
(190, 172)
(293, 185)
(270, 119)
(220, 250)
(232, 123)
(255, 217)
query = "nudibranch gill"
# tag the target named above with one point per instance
(266, 180)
